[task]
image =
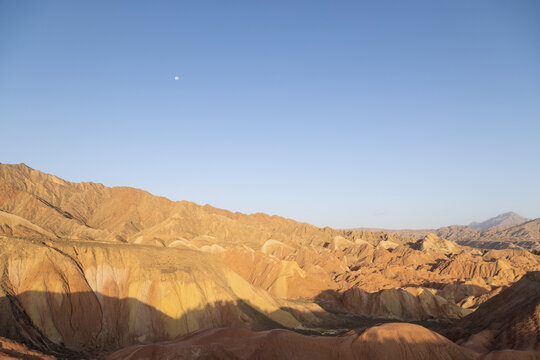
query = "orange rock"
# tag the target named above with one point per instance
(389, 341)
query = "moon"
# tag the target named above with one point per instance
(176, 77)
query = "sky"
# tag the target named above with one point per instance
(392, 114)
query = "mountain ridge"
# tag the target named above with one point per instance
(90, 210)
(88, 269)
(506, 219)
(502, 233)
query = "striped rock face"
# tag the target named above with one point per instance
(87, 270)
(96, 297)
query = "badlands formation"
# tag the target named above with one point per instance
(505, 231)
(90, 271)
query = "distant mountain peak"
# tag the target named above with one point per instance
(506, 219)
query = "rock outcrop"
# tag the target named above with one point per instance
(505, 231)
(90, 298)
(389, 341)
(91, 211)
(510, 320)
(410, 304)
(12, 350)
(86, 270)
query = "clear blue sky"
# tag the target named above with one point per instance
(397, 114)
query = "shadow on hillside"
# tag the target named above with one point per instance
(86, 325)
(331, 302)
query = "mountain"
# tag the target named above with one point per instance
(95, 297)
(523, 236)
(506, 219)
(510, 320)
(526, 235)
(505, 231)
(32, 202)
(88, 270)
(388, 341)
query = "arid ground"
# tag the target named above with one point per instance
(89, 271)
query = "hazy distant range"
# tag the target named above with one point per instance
(508, 230)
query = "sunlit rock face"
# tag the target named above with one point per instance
(87, 270)
(10, 349)
(94, 297)
(91, 211)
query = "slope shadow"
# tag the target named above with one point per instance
(86, 324)
(392, 342)
(332, 303)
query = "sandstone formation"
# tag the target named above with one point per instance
(91, 211)
(510, 320)
(410, 304)
(526, 235)
(87, 270)
(12, 350)
(505, 231)
(13, 225)
(389, 341)
(90, 298)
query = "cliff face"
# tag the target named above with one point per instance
(510, 320)
(92, 297)
(98, 297)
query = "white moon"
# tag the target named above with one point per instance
(177, 77)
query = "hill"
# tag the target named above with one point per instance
(506, 219)
(50, 206)
(87, 270)
(510, 320)
(526, 235)
(506, 231)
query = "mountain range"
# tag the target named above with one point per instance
(508, 230)
(506, 220)
(90, 271)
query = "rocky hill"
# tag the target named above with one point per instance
(506, 219)
(87, 270)
(508, 321)
(32, 202)
(388, 341)
(506, 231)
(526, 235)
